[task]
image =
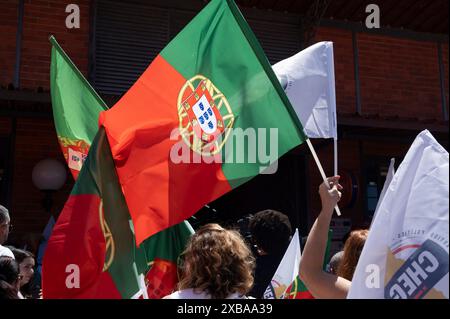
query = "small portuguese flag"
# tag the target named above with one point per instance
(209, 83)
(94, 233)
(76, 107)
(298, 290)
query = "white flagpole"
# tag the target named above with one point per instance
(335, 157)
(141, 283)
(319, 166)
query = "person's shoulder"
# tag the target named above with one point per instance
(187, 294)
(174, 295)
(239, 296)
(5, 251)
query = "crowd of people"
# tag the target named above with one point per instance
(16, 265)
(218, 263)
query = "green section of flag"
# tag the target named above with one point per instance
(75, 104)
(167, 244)
(222, 48)
(98, 176)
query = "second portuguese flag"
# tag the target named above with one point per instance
(92, 251)
(212, 78)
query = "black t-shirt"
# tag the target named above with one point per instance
(266, 266)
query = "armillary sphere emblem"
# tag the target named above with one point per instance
(205, 116)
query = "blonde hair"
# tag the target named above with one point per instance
(217, 261)
(352, 250)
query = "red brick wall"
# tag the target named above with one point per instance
(8, 27)
(41, 19)
(399, 77)
(343, 65)
(35, 140)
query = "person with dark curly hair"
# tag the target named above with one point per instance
(216, 264)
(271, 233)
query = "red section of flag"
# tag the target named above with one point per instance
(73, 268)
(159, 193)
(161, 278)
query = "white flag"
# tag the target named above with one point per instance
(406, 252)
(387, 182)
(308, 80)
(287, 271)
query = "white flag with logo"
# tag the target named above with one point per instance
(406, 252)
(308, 80)
(287, 271)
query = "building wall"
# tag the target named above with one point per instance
(343, 65)
(34, 143)
(35, 138)
(8, 27)
(43, 18)
(399, 77)
(445, 63)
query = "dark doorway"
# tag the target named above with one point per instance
(4, 170)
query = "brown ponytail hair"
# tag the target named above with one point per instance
(352, 250)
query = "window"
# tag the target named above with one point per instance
(128, 36)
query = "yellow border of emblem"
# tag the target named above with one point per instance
(196, 144)
(110, 247)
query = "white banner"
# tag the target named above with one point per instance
(406, 252)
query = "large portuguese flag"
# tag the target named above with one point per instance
(212, 77)
(94, 232)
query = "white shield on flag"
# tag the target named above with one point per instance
(205, 115)
(76, 159)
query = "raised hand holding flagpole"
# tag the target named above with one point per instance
(322, 173)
